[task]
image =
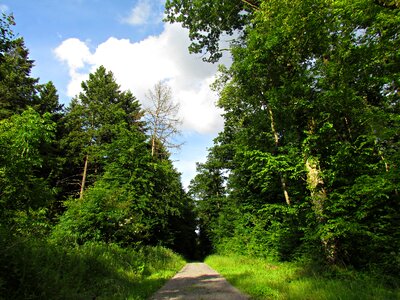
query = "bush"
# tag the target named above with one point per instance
(34, 269)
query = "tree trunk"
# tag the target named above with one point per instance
(276, 137)
(316, 186)
(84, 177)
(153, 145)
(318, 193)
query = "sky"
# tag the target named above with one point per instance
(68, 39)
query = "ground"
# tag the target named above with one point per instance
(198, 281)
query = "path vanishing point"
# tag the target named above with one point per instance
(198, 281)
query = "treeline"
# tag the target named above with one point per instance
(92, 172)
(307, 165)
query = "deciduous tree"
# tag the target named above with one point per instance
(162, 119)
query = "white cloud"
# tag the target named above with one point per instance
(140, 14)
(77, 55)
(198, 107)
(3, 8)
(74, 52)
(138, 66)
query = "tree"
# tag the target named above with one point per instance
(134, 201)
(311, 98)
(17, 88)
(47, 100)
(23, 190)
(207, 21)
(162, 118)
(208, 190)
(93, 120)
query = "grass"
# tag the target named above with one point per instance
(39, 270)
(263, 279)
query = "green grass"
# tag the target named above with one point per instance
(39, 270)
(263, 279)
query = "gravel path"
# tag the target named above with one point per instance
(198, 281)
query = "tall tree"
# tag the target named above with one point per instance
(208, 190)
(17, 88)
(311, 98)
(93, 120)
(162, 118)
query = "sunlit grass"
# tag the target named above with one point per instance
(39, 270)
(263, 279)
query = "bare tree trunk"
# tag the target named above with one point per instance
(84, 177)
(276, 137)
(153, 146)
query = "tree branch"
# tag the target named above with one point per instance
(251, 4)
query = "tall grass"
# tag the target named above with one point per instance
(263, 279)
(39, 270)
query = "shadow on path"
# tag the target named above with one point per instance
(198, 281)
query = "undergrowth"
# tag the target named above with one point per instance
(264, 279)
(41, 270)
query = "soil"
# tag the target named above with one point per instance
(198, 281)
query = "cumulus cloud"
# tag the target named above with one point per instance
(77, 56)
(141, 13)
(138, 66)
(74, 52)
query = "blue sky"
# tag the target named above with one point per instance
(69, 39)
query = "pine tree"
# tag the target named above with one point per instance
(17, 88)
(93, 120)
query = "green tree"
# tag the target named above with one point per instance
(93, 119)
(207, 21)
(311, 104)
(135, 201)
(23, 191)
(47, 100)
(133, 198)
(208, 191)
(17, 88)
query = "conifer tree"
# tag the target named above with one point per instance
(17, 88)
(93, 120)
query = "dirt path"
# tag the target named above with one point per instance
(198, 281)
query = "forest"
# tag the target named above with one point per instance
(305, 170)
(307, 164)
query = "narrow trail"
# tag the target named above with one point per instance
(198, 281)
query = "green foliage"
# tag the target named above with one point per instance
(135, 201)
(37, 270)
(207, 21)
(208, 190)
(24, 193)
(17, 88)
(311, 106)
(272, 231)
(99, 247)
(47, 100)
(92, 121)
(269, 279)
